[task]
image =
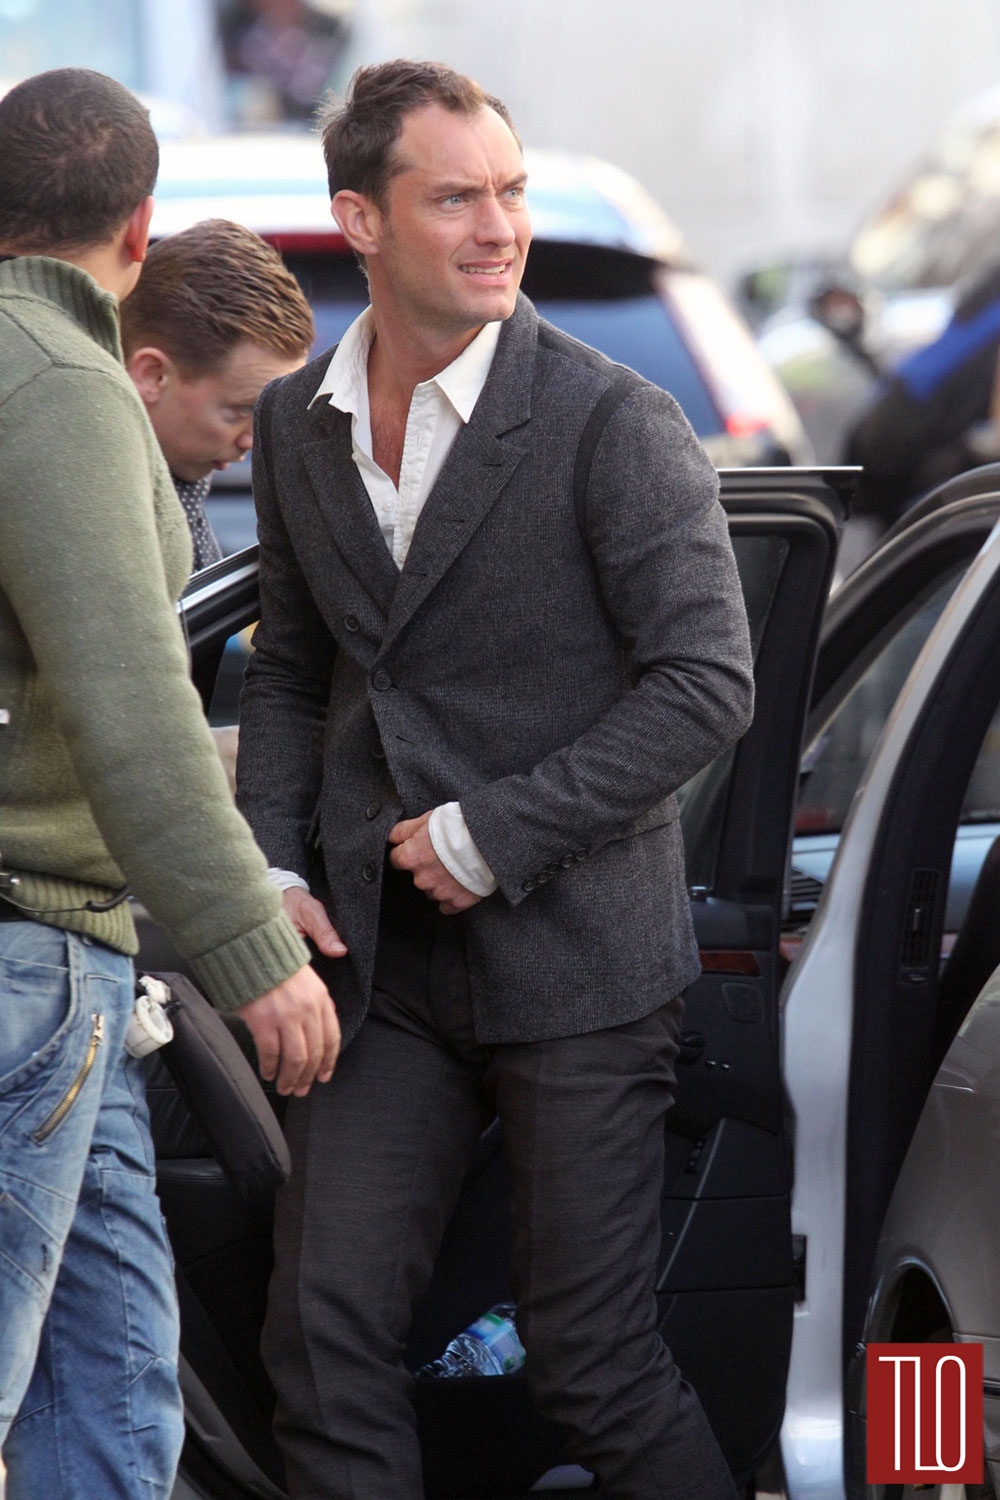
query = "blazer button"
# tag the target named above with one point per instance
(543, 876)
(378, 752)
(529, 885)
(580, 854)
(381, 679)
(351, 622)
(369, 871)
(568, 861)
(373, 809)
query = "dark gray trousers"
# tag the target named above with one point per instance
(379, 1156)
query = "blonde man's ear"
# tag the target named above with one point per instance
(150, 369)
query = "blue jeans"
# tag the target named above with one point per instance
(89, 1401)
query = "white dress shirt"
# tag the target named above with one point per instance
(439, 408)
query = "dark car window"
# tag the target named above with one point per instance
(833, 764)
(639, 332)
(982, 795)
(335, 290)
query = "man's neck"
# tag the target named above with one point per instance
(103, 262)
(401, 359)
(107, 266)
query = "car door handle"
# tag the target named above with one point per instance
(691, 1044)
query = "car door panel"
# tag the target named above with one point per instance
(727, 1265)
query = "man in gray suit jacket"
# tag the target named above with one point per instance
(500, 626)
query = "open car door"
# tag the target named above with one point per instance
(728, 1276)
(908, 718)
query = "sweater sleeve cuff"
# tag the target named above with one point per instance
(248, 966)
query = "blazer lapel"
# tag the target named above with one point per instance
(477, 470)
(342, 501)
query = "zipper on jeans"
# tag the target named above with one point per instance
(62, 1109)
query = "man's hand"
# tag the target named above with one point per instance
(414, 852)
(311, 921)
(295, 1031)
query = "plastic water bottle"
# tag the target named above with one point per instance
(489, 1346)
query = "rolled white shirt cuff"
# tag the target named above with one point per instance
(454, 847)
(286, 880)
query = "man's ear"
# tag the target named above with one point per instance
(151, 371)
(359, 220)
(137, 230)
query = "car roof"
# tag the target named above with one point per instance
(276, 184)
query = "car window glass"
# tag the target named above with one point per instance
(759, 560)
(640, 332)
(833, 763)
(982, 795)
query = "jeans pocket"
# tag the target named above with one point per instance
(39, 1005)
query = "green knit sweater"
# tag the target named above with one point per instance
(108, 774)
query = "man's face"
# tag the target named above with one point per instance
(454, 231)
(205, 422)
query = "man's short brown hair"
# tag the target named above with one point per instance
(207, 289)
(77, 156)
(360, 130)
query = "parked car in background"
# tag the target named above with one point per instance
(606, 265)
(825, 325)
(828, 891)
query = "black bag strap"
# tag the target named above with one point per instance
(619, 389)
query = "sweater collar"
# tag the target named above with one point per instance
(70, 288)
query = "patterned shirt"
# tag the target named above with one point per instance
(192, 496)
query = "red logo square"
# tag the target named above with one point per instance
(925, 1413)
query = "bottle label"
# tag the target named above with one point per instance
(500, 1337)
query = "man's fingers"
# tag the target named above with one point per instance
(329, 941)
(406, 828)
(331, 1043)
(315, 1046)
(294, 1059)
(268, 1044)
(295, 1030)
(401, 858)
(310, 917)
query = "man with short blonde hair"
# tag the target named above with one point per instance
(214, 317)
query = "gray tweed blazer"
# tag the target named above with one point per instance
(560, 671)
